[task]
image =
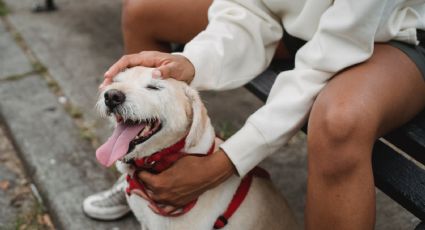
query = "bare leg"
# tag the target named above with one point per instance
(153, 24)
(357, 106)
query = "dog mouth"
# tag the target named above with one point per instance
(151, 127)
(127, 135)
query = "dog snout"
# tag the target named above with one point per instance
(113, 98)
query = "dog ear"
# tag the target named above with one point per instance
(199, 118)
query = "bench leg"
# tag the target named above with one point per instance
(421, 226)
(49, 5)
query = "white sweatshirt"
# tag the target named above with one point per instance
(242, 36)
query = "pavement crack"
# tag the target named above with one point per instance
(16, 77)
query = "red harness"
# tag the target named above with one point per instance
(163, 159)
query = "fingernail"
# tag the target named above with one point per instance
(156, 73)
(106, 74)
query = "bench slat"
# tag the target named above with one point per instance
(399, 178)
(411, 138)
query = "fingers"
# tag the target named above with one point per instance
(166, 70)
(148, 179)
(165, 210)
(179, 68)
(106, 82)
(156, 190)
(123, 63)
(172, 70)
(167, 65)
(156, 73)
(154, 187)
(146, 58)
(149, 193)
(177, 211)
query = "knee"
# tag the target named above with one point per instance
(339, 121)
(339, 137)
(135, 14)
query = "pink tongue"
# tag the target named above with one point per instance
(117, 145)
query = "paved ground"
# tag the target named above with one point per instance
(20, 209)
(50, 66)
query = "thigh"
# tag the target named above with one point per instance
(169, 20)
(384, 92)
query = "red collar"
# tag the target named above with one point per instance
(163, 159)
(159, 162)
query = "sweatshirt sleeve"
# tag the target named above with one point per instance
(345, 37)
(238, 43)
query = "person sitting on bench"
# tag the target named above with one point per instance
(357, 63)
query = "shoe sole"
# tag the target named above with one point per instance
(104, 217)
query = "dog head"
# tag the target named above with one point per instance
(150, 115)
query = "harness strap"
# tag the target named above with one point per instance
(163, 159)
(239, 196)
(157, 163)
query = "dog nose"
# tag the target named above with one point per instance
(113, 98)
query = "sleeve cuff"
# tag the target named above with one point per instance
(246, 149)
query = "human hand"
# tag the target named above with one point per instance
(185, 181)
(167, 65)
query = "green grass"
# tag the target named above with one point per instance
(3, 9)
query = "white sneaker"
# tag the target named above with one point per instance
(108, 205)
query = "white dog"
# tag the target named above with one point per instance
(154, 114)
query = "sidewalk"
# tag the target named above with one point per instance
(50, 67)
(20, 209)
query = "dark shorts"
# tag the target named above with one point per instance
(415, 53)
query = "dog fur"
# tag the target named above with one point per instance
(180, 110)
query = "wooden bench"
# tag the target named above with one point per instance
(399, 175)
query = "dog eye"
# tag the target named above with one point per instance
(153, 87)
